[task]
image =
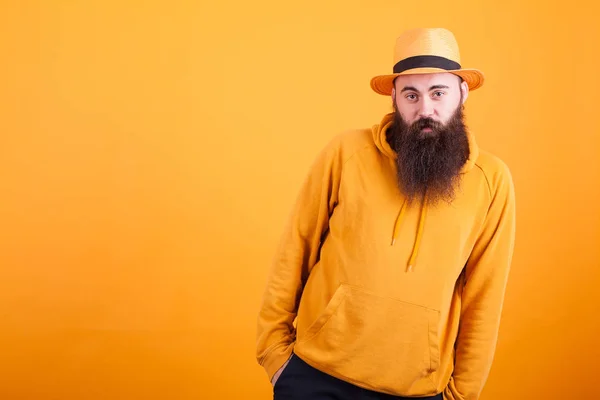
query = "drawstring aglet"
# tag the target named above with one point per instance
(409, 268)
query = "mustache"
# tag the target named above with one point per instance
(424, 123)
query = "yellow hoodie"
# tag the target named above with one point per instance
(373, 292)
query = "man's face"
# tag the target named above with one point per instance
(429, 135)
(434, 96)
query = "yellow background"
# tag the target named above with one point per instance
(150, 153)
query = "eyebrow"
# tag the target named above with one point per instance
(412, 88)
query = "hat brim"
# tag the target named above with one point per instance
(383, 84)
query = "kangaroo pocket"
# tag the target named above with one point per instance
(377, 342)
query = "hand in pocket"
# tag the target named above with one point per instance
(279, 371)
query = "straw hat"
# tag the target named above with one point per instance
(426, 51)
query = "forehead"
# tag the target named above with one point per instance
(423, 82)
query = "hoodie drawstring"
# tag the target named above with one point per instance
(415, 252)
(398, 222)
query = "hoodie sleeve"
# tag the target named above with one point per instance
(297, 253)
(486, 277)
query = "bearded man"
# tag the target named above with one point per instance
(390, 277)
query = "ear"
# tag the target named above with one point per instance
(394, 95)
(464, 88)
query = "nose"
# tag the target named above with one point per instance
(426, 108)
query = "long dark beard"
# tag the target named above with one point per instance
(429, 162)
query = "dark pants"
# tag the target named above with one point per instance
(300, 381)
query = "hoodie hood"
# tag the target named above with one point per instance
(380, 138)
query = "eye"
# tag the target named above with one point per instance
(438, 94)
(411, 96)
